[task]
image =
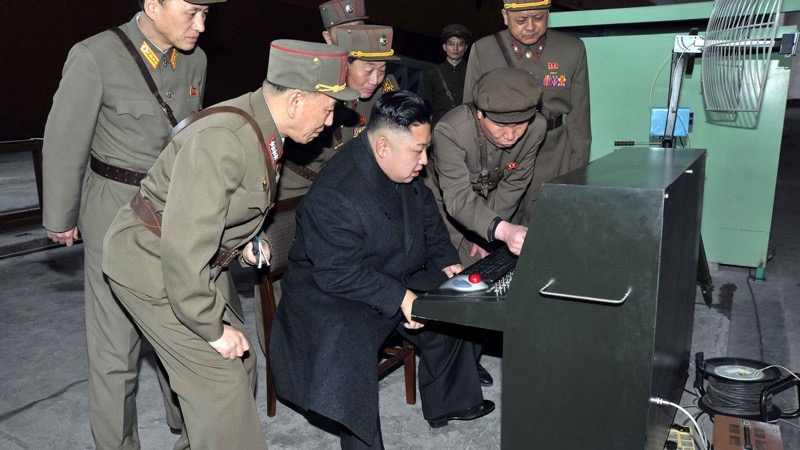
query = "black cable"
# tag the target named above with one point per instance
(758, 319)
(736, 399)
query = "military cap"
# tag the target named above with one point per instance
(456, 30)
(507, 95)
(367, 42)
(512, 5)
(337, 12)
(310, 66)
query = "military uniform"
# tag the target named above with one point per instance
(469, 213)
(104, 109)
(171, 283)
(474, 191)
(558, 62)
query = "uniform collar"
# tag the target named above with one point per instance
(152, 55)
(263, 117)
(527, 51)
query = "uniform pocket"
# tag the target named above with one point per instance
(136, 108)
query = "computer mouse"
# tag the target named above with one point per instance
(465, 283)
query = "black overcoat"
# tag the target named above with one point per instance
(361, 241)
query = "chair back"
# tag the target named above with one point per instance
(280, 227)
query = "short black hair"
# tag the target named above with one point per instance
(399, 110)
(141, 4)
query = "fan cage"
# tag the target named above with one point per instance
(736, 53)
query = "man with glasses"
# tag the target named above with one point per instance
(444, 84)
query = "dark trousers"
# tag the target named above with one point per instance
(447, 378)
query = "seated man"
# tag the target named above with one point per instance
(368, 236)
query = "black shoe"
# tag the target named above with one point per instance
(465, 414)
(484, 376)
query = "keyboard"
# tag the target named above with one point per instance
(494, 266)
(496, 271)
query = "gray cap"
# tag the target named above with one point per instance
(367, 42)
(337, 12)
(507, 95)
(311, 67)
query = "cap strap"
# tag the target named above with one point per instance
(527, 5)
(360, 54)
(328, 88)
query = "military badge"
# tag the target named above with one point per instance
(192, 91)
(387, 85)
(511, 166)
(554, 80)
(552, 66)
(173, 59)
(149, 55)
(274, 152)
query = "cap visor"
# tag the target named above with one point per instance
(347, 94)
(380, 58)
(511, 117)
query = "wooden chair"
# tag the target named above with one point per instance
(280, 233)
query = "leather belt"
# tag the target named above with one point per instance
(304, 172)
(115, 173)
(151, 219)
(555, 122)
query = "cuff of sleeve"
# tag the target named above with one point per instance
(492, 227)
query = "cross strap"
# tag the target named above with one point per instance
(145, 74)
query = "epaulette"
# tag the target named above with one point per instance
(387, 85)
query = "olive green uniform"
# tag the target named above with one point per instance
(559, 61)
(208, 186)
(103, 107)
(455, 181)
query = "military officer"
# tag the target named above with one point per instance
(558, 62)
(484, 158)
(369, 47)
(167, 251)
(483, 162)
(105, 114)
(340, 12)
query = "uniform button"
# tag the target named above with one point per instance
(169, 94)
(497, 169)
(165, 63)
(528, 55)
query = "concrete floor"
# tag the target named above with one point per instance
(43, 377)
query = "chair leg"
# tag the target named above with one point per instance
(410, 368)
(268, 309)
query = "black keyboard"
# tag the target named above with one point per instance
(494, 266)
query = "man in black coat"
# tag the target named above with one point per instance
(369, 236)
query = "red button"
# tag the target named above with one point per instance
(475, 278)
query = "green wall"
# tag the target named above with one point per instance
(743, 148)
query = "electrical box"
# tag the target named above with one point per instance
(658, 122)
(733, 433)
(682, 438)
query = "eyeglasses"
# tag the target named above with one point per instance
(456, 44)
